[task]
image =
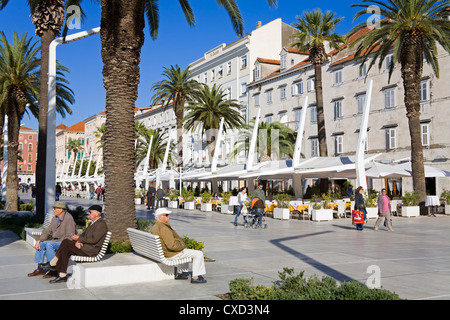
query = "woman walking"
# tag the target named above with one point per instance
(359, 205)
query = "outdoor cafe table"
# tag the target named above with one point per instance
(432, 201)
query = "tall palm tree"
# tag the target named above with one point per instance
(74, 146)
(158, 148)
(316, 32)
(285, 140)
(175, 90)
(48, 19)
(122, 37)
(19, 89)
(205, 110)
(411, 30)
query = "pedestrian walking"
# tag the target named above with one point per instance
(384, 210)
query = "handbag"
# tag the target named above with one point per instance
(357, 217)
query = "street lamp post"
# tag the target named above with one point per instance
(50, 172)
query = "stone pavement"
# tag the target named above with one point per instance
(413, 261)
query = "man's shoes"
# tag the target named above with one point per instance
(199, 279)
(59, 279)
(46, 266)
(37, 272)
(182, 276)
(391, 230)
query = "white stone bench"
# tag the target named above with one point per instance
(149, 246)
(33, 234)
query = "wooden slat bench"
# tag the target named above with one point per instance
(32, 234)
(149, 245)
(99, 256)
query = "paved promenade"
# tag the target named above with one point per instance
(413, 261)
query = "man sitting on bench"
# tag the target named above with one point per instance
(89, 244)
(173, 247)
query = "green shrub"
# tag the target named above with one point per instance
(282, 200)
(26, 206)
(296, 287)
(206, 197)
(411, 199)
(119, 247)
(173, 195)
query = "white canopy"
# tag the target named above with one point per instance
(429, 171)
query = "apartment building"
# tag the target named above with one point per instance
(26, 167)
(279, 90)
(64, 134)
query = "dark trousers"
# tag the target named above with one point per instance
(65, 250)
(151, 202)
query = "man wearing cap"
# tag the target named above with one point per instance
(174, 248)
(87, 244)
(61, 227)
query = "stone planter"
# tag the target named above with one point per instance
(372, 213)
(189, 205)
(447, 209)
(322, 215)
(207, 207)
(227, 209)
(137, 200)
(172, 204)
(281, 213)
(410, 211)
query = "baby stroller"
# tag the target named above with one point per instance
(255, 213)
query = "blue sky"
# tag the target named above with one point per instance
(177, 43)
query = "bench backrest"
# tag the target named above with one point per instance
(146, 244)
(99, 256)
(47, 220)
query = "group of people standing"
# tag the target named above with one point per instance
(384, 209)
(155, 198)
(258, 197)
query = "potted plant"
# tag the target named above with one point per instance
(173, 198)
(321, 212)
(206, 204)
(445, 196)
(188, 197)
(224, 206)
(281, 211)
(371, 203)
(138, 194)
(410, 204)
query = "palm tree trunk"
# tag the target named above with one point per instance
(122, 36)
(46, 39)
(412, 67)
(179, 114)
(12, 180)
(321, 132)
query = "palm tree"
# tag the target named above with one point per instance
(48, 19)
(284, 139)
(100, 135)
(122, 24)
(411, 30)
(316, 32)
(175, 90)
(75, 147)
(205, 110)
(19, 89)
(158, 148)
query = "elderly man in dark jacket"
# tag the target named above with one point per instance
(89, 244)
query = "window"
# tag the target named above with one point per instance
(389, 98)
(257, 72)
(30, 137)
(339, 144)
(228, 93)
(338, 112)
(361, 102)
(425, 128)
(424, 92)
(337, 77)
(298, 114)
(283, 62)
(313, 114)
(310, 84)
(387, 62)
(297, 88)
(243, 62)
(229, 67)
(314, 147)
(220, 72)
(269, 96)
(269, 119)
(283, 92)
(205, 77)
(391, 135)
(244, 114)
(256, 100)
(30, 147)
(213, 75)
(283, 117)
(243, 88)
(362, 71)
(30, 157)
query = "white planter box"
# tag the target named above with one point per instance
(227, 209)
(447, 209)
(206, 207)
(372, 213)
(189, 205)
(172, 204)
(410, 211)
(281, 213)
(322, 214)
(137, 200)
